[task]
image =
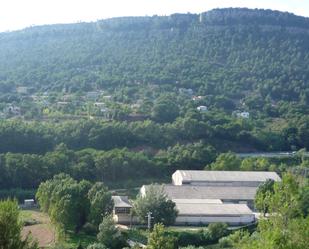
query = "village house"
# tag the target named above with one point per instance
(242, 114)
(22, 90)
(202, 108)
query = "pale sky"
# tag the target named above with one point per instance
(17, 14)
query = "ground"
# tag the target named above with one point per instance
(43, 231)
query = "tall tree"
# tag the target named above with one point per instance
(10, 228)
(109, 235)
(159, 240)
(155, 201)
(101, 203)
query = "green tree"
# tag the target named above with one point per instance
(97, 246)
(285, 228)
(101, 203)
(10, 228)
(263, 194)
(109, 235)
(155, 201)
(217, 230)
(226, 161)
(158, 240)
(165, 109)
(65, 200)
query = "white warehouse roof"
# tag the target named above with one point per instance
(205, 192)
(205, 209)
(197, 201)
(228, 176)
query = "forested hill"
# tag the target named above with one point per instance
(240, 53)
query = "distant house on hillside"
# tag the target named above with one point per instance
(62, 103)
(12, 110)
(242, 114)
(186, 91)
(196, 98)
(92, 95)
(202, 108)
(22, 89)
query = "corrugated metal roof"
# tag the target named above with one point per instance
(198, 201)
(208, 192)
(244, 176)
(121, 201)
(213, 209)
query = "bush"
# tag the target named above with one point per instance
(217, 230)
(90, 229)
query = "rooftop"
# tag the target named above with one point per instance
(244, 176)
(208, 192)
(197, 201)
(213, 209)
(121, 201)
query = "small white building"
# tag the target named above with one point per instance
(196, 98)
(22, 90)
(202, 108)
(186, 91)
(12, 110)
(62, 103)
(243, 114)
(99, 104)
(122, 210)
(92, 95)
(28, 203)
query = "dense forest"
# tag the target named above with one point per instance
(253, 55)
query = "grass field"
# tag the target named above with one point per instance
(44, 232)
(39, 227)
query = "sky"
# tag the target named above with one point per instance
(18, 14)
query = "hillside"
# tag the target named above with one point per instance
(108, 99)
(239, 53)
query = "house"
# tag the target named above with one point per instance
(92, 95)
(107, 97)
(29, 203)
(186, 91)
(122, 210)
(202, 108)
(22, 90)
(196, 98)
(203, 197)
(12, 110)
(62, 103)
(242, 114)
(99, 104)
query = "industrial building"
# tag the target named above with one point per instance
(203, 197)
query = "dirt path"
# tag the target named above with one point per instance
(43, 232)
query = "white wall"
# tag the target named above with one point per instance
(196, 220)
(177, 178)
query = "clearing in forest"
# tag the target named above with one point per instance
(39, 226)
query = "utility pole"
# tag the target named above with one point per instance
(149, 217)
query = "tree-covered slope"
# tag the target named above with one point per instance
(255, 55)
